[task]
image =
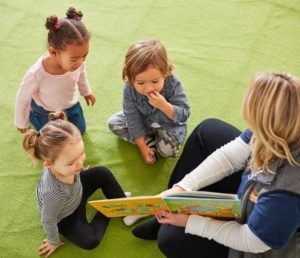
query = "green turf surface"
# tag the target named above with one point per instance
(217, 47)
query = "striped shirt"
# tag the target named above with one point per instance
(56, 200)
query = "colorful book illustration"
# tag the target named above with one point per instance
(197, 202)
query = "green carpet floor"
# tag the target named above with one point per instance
(217, 47)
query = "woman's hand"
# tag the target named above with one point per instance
(47, 249)
(176, 219)
(90, 99)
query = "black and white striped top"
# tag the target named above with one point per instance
(56, 200)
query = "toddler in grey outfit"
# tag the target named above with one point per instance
(155, 108)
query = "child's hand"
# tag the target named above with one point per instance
(23, 130)
(90, 99)
(148, 154)
(156, 100)
(47, 249)
(176, 219)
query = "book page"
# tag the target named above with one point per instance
(205, 194)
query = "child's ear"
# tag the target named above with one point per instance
(52, 51)
(47, 164)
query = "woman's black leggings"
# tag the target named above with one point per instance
(208, 136)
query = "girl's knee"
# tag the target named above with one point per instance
(90, 243)
(97, 174)
(103, 171)
(111, 122)
(117, 119)
(118, 126)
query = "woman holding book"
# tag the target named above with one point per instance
(261, 164)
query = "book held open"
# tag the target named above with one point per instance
(196, 202)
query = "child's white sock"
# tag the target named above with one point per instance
(128, 194)
(129, 220)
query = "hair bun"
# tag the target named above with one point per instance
(29, 142)
(57, 115)
(73, 14)
(50, 22)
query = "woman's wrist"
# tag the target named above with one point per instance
(173, 190)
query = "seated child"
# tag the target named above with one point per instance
(64, 186)
(155, 108)
(55, 81)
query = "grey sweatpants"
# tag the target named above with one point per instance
(166, 144)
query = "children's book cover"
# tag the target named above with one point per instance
(130, 206)
(202, 203)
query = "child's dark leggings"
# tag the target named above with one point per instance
(75, 227)
(205, 139)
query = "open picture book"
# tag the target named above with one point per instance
(196, 202)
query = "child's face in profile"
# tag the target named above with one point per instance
(73, 56)
(70, 161)
(149, 81)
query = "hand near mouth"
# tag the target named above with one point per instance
(156, 99)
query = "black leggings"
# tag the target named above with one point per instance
(208, 136)
(75, 227)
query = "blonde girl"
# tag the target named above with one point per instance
(262, 165)
(58, 78)
(65, 186)
(155, 108)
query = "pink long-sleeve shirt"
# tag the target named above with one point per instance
(52, 92)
